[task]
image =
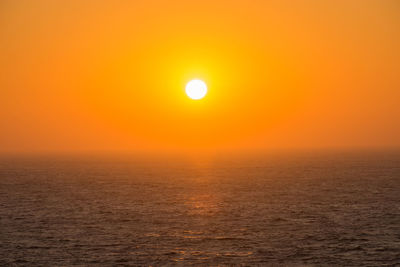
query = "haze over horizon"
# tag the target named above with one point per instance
(110, 76)
(199, 133)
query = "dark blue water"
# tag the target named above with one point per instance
(319, 209)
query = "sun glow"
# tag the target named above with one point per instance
(196, 89)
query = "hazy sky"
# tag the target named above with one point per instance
(110, 75)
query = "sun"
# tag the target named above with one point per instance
(196, 89)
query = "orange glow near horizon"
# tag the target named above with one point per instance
(106, 76)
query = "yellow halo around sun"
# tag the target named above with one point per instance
(196, 89)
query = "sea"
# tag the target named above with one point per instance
(305, 209)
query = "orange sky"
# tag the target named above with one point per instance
(81, 76)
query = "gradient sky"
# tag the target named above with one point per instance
(80, 76)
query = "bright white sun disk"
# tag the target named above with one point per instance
(196, 89)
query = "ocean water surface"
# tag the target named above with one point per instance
(308, 209)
